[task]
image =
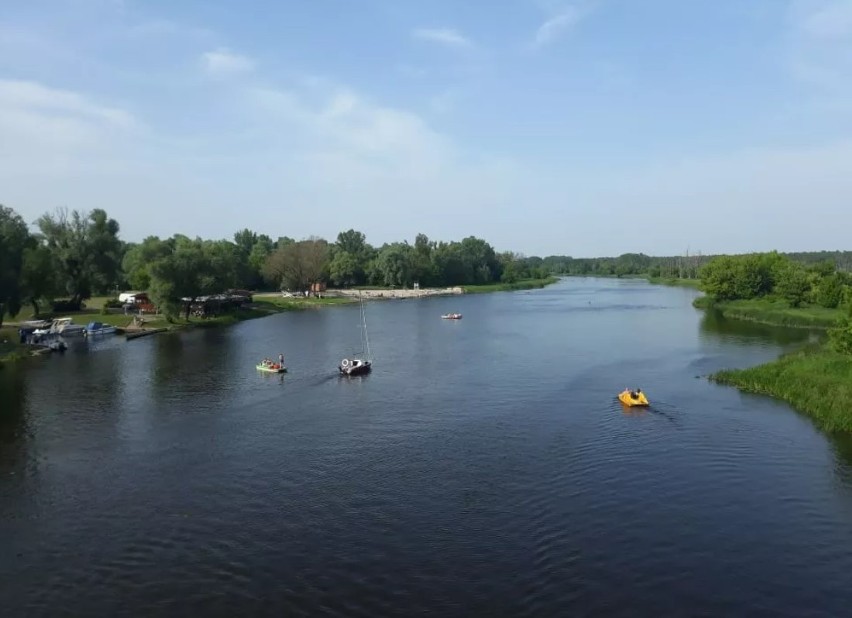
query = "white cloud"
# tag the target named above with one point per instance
(557, 25)
(223, 61)
(443, 36)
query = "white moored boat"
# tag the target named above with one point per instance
(61, 326)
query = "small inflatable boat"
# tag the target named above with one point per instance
(630, 398)
(276, 368)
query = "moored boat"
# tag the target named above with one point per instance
(633, 398)
(98, 328)
(62, 326)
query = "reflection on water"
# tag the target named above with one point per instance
(13, 429)
(842, 445)
(715, 326)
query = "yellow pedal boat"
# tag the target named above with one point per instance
(633, 399)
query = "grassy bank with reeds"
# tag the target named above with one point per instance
(524, 284)
(676, 282)
(816, 381)
(774, 311)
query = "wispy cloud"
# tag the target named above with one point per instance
(223, 61)
(34, 97)
(49, 132)
(822, 44)
(829, 20)
(443, 36)
(557, 25)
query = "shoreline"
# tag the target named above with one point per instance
(814, 381)
(772, 312)
(766, 310)
(264, 304)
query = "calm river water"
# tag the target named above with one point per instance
(485, 468)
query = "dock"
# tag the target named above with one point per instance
(135, 334)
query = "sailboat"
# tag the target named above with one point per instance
(359, 366)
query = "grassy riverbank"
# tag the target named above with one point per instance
(815, 381)
(10, 349)
(773, 311)
(682, 283)
(524, 284)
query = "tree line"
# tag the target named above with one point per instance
(687, 266)
(756, 275)
(72, 256)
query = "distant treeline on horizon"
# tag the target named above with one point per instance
(686, 266)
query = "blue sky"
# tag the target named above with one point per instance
(593, 127)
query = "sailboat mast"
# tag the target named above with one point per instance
(364, 326)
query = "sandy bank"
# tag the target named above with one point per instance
(402, 293)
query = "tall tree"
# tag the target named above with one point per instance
(297, 265)
(422, 264)
(86, 251)
(185, 273)
(14, 241)
(395, 265)
(139, 257)
(38, 278)
(352, 242)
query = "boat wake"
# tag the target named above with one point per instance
(661, 409)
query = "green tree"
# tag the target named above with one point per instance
(297, 265)
(38, 278)
(86, 250)
(829, 291)
(15, 239)
(261, 250)
(184, 273)
(139, 257)
(423, 264)
(792, 283)
(741, 276)
(510, 267)
(394, 265)
(840, 337)
(352, 242)
(344, 269)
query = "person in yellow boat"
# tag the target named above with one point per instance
(633, 394)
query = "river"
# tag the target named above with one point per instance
(484, 468)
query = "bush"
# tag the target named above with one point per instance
(113, 303)
(829, 292)
(840, 337)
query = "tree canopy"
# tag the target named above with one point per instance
(74, 255)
